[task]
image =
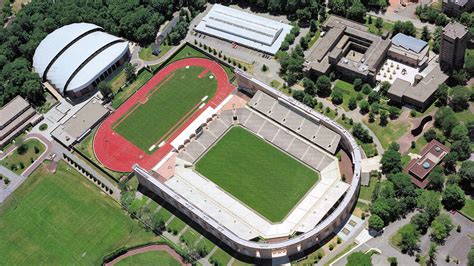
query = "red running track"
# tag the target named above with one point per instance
(118, 154)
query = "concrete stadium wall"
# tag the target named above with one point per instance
(289, 247)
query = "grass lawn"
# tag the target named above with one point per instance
(420, 143)
(258, 174)
(155, 257)
(345, 123)
(386, 27)
(311, 259)
(187, 52)
(468, 208)
(314, 38)
(176, 225)
(63, 219)
(395, 239)
(347, 91)
(189, 237)
(206, 243)
(165, 214)
(389, 133)
(117, 80)
(221, 257)
(275, 84)
(342, 253)
(147, 55)
(19, 162)
(167, 108)
(366, 192)
(370, 149)
(122, 95)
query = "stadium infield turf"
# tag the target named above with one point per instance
(153, 119)
(258, 174)
(61, 218)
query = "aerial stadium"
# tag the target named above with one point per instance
(250, 165)
(76, 57)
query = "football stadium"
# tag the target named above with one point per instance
(247, 163)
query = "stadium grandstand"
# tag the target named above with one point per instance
(246, 29)
(76, 57)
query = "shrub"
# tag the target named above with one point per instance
(339, 240)
(37, 150)
(43, 127)
(331, 246)
(413, 113)
(22, 149)
(264, 68)
(22, 166)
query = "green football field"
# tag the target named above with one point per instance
(150, 258)
(257, 173)
(63, 219)
(177, 97)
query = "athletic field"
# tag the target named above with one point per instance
(257, 173)
(63, 219)
(166, 107)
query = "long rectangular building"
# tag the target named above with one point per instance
(249, 30)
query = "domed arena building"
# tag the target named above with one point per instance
(76, 57)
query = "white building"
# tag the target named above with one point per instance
(76, 57)
(244, 28)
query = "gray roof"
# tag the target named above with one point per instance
(409, 42)
(455, 30)
(73, 56)
(427, 86)
(12, 109)
(79, 124)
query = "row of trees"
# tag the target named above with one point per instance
(432, 15)
(354, 10)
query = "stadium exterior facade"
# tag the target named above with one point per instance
(76, 57)
(293, 246)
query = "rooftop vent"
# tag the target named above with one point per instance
(426, 165)
(438, 149)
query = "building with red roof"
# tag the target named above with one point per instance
(430, 156)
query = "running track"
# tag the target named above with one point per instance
(118, 154)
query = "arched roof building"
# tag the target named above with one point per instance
(76, 57)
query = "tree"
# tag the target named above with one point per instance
(425, 34)
(130, 70)
(374, 97)
(462, 148)
(264, 68)
(376, 223)
(470, 257)
(384, 87)
(361, 133)
(429, 201)
(453, 197)
(105, 89)
(466, 173)
(440, 228)
(366, 89)
(391, 162)
(357, 84)
(421, 221)
(379, 23)
(409, 237)
(458, 132)
(445, 119)
(432, 252)
(309, 100)
(394, 112)
(459, 99)
(352, 103)
(299, 95)
(356, 11)
(441, 95)
(309, 86)
(383, 118)
(430, 135)
(337, 97)
(359, 259)
(364, 106)
(436, 179)
(323, 86)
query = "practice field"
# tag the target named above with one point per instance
(166, 107)
(156, 257)
(63, 219)
(257, 173)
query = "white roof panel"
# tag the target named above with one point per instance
(57, 41)
(244, 28)
(97, 65)
(75, 55)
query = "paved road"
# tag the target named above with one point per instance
(393, 17)
(382, 243)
